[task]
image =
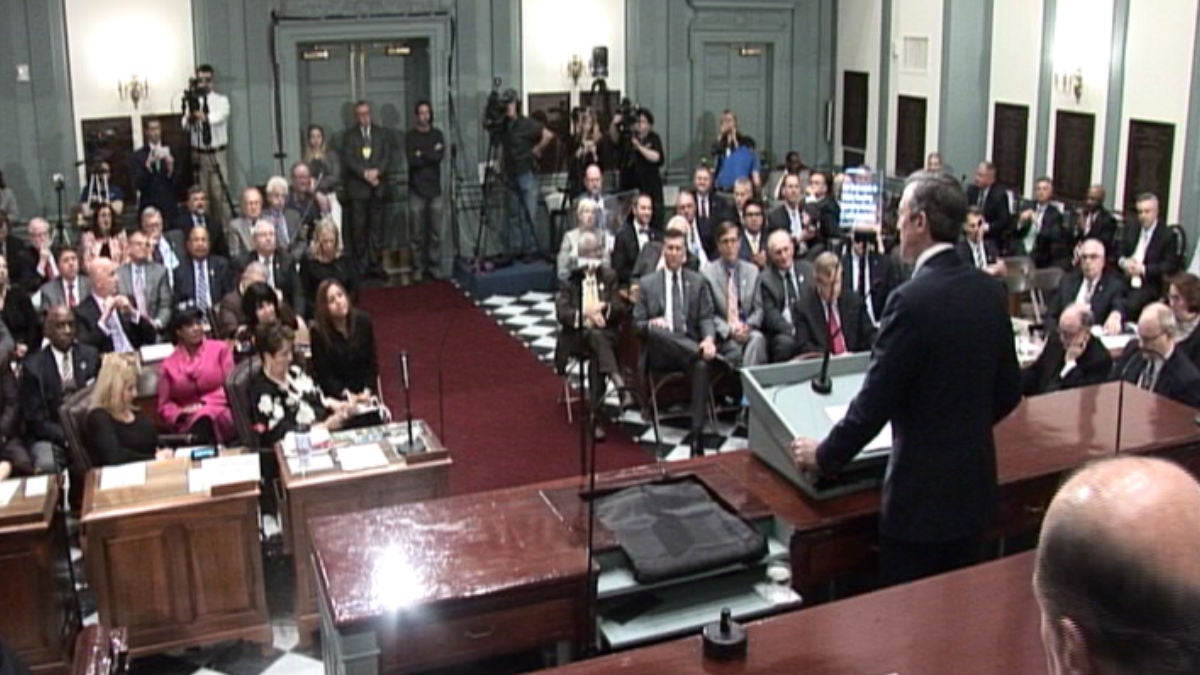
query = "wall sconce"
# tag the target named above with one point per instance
(134, 89)
(1070, 82)
(575, 68)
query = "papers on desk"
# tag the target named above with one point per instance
(322, 461)
(318, 435)
(35, 486)
(8, 488)
(123, 475)
(358, 457)
(224, 471)
(881, 442)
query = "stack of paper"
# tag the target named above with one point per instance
(357, 457)
(35, 486)
(881, 442)
(224, 471)
(123, 475)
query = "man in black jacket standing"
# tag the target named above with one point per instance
(424, 147)
(942, 384)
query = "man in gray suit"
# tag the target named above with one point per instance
(240, 234)
(145, 282)
(70, 287)
(674, 316)
(736, 312)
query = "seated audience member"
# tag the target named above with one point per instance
(19, 316)
(826, 212)
(230, 320)
(568, 253)
(262, 304)
(589, 311)
(48, 376)
(674, 316)
(45, 265)
(711, 208)
(326, 261)
(828, 317)
(240, 231)
(191, 382)
(813, 240)
(343, 344)
(977, 251)
(593, 191)
(144, 282)
(736, 314)
(632, 238)
(69, 287)
(166, 248)
(115, 431)
(697, 246)
(15, 457)
(282, 397)
(1149, 255)
(196, 215)
(309, 205)
(1041, 233)
(651, 258)
(992, 198)
(788, 215)
(1071, 358)
(280, 266)
(1094, 221)
(793, 165)
(743, 192)
(20, 255)
(753, 247)
(779, 289)
(103, 239)
(870, 274)
(107, 320)
(1183, 296)
(1116, 577)
(1153, 363)
(289, 235)
(201, 279)
(1092, 285)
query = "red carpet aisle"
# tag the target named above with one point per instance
(504, 424)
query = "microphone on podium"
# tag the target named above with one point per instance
(414, 444)
(822, 383)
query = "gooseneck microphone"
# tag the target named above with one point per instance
(413, 444)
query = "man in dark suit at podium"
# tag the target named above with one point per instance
(942, 383)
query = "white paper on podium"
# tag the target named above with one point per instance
(8, 488)
(35, 486)
(356, 457)
(123, 475)
(883, 441)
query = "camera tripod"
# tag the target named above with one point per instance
(489, 182)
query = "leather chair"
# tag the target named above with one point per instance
(237, 391)
(74, 409)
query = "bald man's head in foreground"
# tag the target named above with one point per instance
(1118, 570)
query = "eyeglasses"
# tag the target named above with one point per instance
(754, 214)
(1090, 256)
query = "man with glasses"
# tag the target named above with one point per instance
(1071, 358)
(753, 246)
(1152, 362)
(1091, 285)
(828, 317)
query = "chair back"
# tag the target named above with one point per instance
(1018, 273)
(72, 414)
(1047, 279)
(237, 391)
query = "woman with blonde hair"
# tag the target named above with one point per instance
(568, 253)
(325, 260)
(115, 432)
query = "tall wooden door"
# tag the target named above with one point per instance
(733, 76)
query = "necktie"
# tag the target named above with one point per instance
(591, 297)
(66, 372)
(862, 275)
(1091, 288)
(732, 311)
(837, 340)
(789, 291)
(1148, 375)
(1143, 241)
(982, 197)
(117, 333)
(202, 285)
(678, 323)
(70, 293)
(158, 258)
(267, 263)
(980, 258)
(281, 230)
(704, 206)
(48, 271)
(753, 239)
(139, 289)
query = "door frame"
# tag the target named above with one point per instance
(290, 34)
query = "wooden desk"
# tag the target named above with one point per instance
(321, 493)
(101, 651)
(977, 621)
(500, 547)
(174, 568)
(37, 615)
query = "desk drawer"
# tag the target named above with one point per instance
(445, 640)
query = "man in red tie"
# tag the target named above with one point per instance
(829, 317)
(69, 287)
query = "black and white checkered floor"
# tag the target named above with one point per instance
(530, 318)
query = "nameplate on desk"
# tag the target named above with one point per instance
(8, 489)
(155, 352)
(36, 486)
(123, 476)
(221, 475)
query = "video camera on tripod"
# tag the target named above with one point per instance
(627, 114)
(195, 100)
(495, 111)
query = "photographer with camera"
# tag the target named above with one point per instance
(153, 169)
(735, 155)
(641, 152)
(522, 142)
(206, 116)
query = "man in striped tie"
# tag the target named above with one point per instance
(737, 315)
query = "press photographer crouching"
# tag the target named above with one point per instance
(522, 141)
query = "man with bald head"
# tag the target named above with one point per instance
(593, 191)
(1071, 358)
(1116, 577)
(107, 320)
(1092, 284)
(780, 287)
(1152, 362)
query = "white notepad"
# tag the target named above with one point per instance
(8, 488)
(357, 457)
(123, 475)
(881, 442)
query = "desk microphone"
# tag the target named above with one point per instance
(822, 383)
(414, 444)
(404, 368)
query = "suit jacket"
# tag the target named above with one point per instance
(778, 218)
(719, 211)
(87, 327)
(220, 281)
(697, 298)
(1163, 257)
(240, 236)
(625, 251)
(812, 329)
(218, 242)
(771, 287)
(155, 185)
(22, 262)
(286, 279)
(990, 252)
(996, 212)
(297, 242)
(354, 163)
(750, 313)
(157, 291)
(744, 250)
(882, 277)
(941, 479)
(41, 389)
(53, 292)
(1107, 297)
(1053, 244)
(568, 306)
(1190, 346)
(1103, 229)
(829, 219)
(1045, 375)
(1179, 379)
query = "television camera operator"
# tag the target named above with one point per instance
(521, 141)
(640, 154)
(206, 116)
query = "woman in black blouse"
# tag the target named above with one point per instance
(325, 261)
(282, 397)
(343, 343)
(16, 309)
(114, 431)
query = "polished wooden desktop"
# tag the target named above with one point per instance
(982, 620)
(492, 550)
(175, 568)
(309, 494)
(37, 616)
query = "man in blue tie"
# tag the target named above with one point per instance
(201, 279)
